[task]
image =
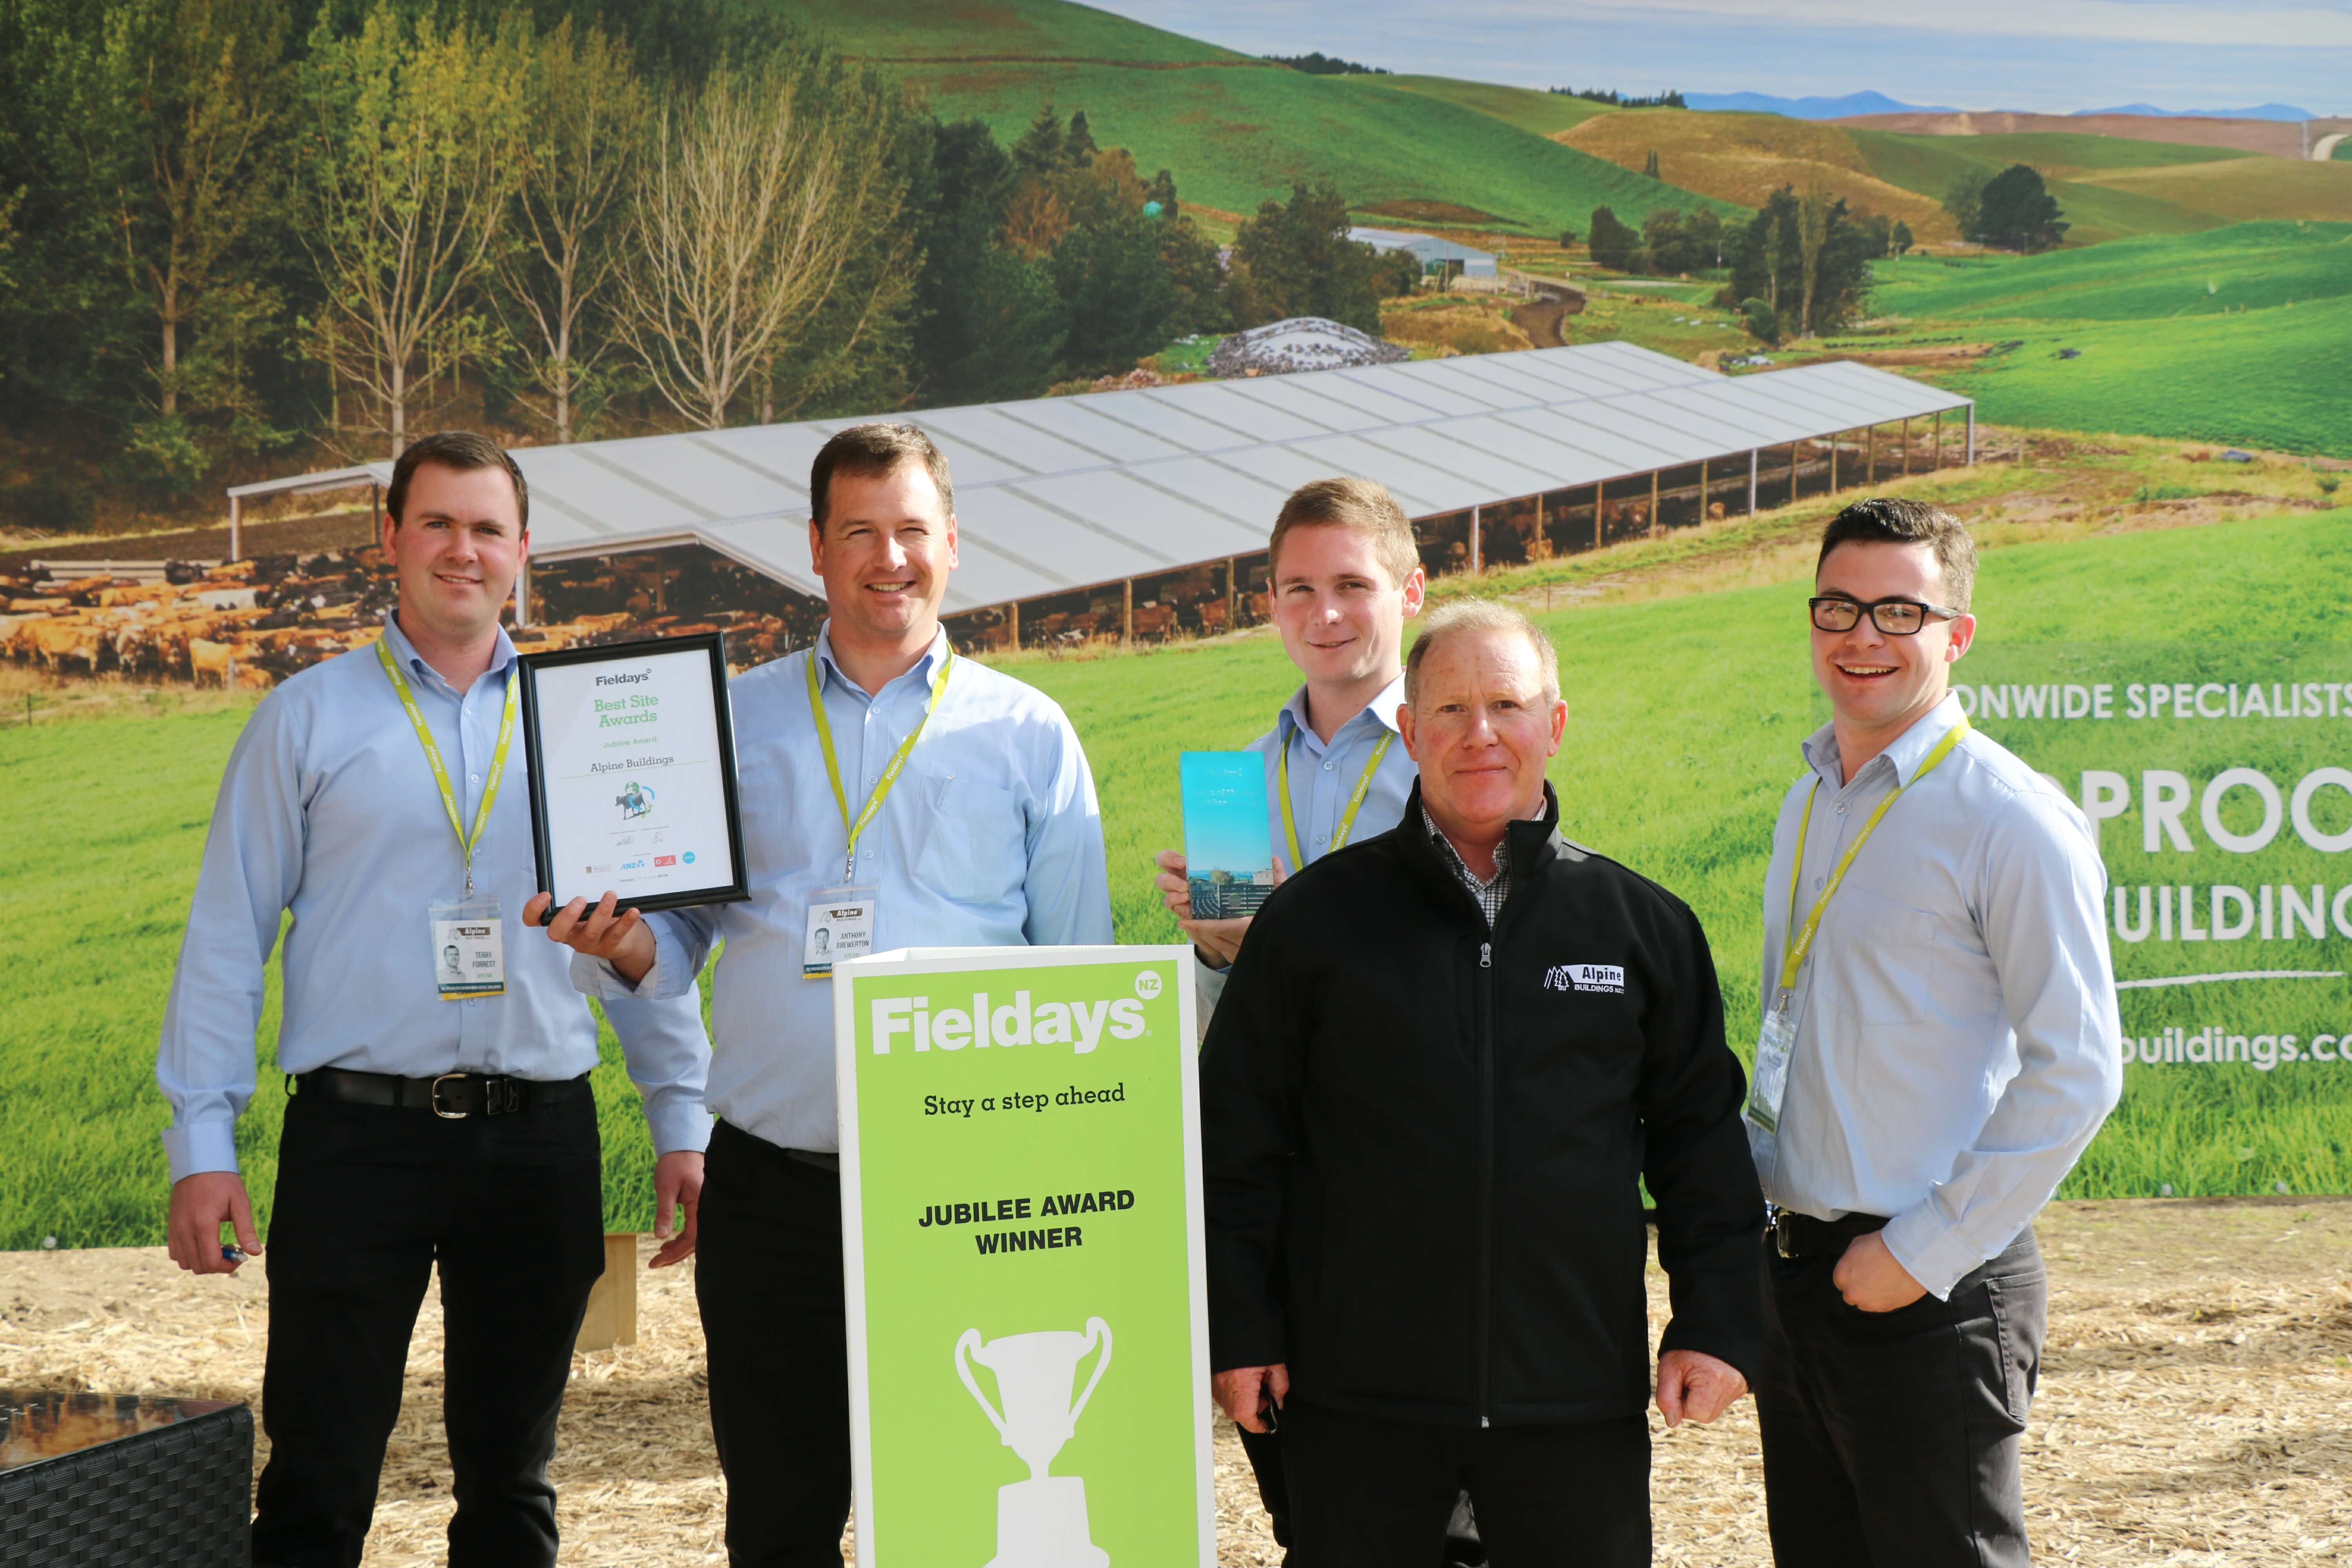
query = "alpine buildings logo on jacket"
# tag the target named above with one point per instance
(1605, 977)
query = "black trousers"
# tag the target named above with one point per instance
(767, 1276)
(1891, 1439)
(1369, 1493)
(1264, 1452)
(369, 1200)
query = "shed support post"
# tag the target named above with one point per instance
(1972, 434)
(236, 527)
(1012, 619)
(1233, 592)
(1793, 449)
(1751, 481)
(1478, 517)
(522, 593)
(1870, 455)
(1907, 446)
(1127, 611)
(1599, 511)
(1702, 490)
(1834, 442)
(1936, 451)
(1652, 524)
(375, 509)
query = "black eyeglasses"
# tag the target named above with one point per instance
(1896, 618)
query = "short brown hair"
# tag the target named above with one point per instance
(1886, 519)
(875, 447)
(459, 449)
(1363, 505)
(1481, 615)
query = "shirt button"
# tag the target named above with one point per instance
(1817, 881)
(1840, 811)
(473, 778)
(1327, 767)
(1319, 839)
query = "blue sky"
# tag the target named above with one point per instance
(2052, 56)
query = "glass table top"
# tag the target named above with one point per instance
(37, 1425)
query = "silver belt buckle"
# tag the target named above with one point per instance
(435, 1092)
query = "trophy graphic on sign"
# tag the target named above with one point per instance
(1040, 1522)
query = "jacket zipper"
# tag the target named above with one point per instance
(1486, 1183)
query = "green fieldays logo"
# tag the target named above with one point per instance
(1080, 1024)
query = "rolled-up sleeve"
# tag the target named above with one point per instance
(252, 868)
(2037, 901)
(1067, 887)
(682, 939)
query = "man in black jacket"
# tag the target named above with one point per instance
(1476, 1037)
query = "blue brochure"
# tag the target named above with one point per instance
(1228, 844)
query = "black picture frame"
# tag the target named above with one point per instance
(736, 889)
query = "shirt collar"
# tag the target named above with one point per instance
(1905, 755)
(921, 672)
(1380, 714)
(502, 659)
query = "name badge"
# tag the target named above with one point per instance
(469, 954)
(1774, 1042)
(840, 927)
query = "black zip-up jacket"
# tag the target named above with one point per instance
(1422, 1138)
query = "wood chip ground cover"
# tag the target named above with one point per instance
(2191, 1412)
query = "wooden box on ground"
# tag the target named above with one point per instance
(611, 1318)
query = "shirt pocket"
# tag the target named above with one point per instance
(975, 840)
(1885, 957)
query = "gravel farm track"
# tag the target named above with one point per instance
(2192, 1404)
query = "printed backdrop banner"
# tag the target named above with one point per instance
(1021, 1229)
(2216, 779)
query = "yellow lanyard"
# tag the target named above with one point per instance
(466, 841)
(1355, 801)
(889, 774)
(1803, 943)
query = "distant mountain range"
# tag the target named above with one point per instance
(1811, 107)
(1858, 103)
(2260, 111)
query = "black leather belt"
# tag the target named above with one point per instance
(453, 1096)
(1802, 1236)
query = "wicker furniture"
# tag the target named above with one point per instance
(102, 1480)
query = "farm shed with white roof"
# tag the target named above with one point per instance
(1145, 511)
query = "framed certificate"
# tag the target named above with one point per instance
(632, 764)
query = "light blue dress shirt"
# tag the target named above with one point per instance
(329, 809)
(1322, 777)
(991, 838)
(1956, 1033)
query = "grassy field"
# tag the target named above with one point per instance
(2227, 336)
(1543, 114)
(1236, 130)
(1679, 785)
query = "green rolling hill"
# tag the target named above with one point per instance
(2226, 336)
(1236, 130)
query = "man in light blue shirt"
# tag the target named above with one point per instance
(1347, 575)
(1934, 1058)
(976, 825)
(441, 1112)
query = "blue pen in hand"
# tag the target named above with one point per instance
(234, 1254)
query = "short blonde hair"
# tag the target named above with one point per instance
(1363, 505)
(1481, 615)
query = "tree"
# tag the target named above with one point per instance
(1613, 244)
(1769, 266)
(749, 205)
(1899, 239)
(1704, 231)
(1965, 202)
(1766, 253)
(1667, 243)
(1296, 259)
(1813, 210)
(587, 113)
(415, 139)
(1650, 166)
(1044, 148)
(2016, 211)
(990, 325)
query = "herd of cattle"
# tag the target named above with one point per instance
(255, 622)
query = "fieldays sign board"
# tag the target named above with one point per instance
(1022, 1237)
(2217, 778)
